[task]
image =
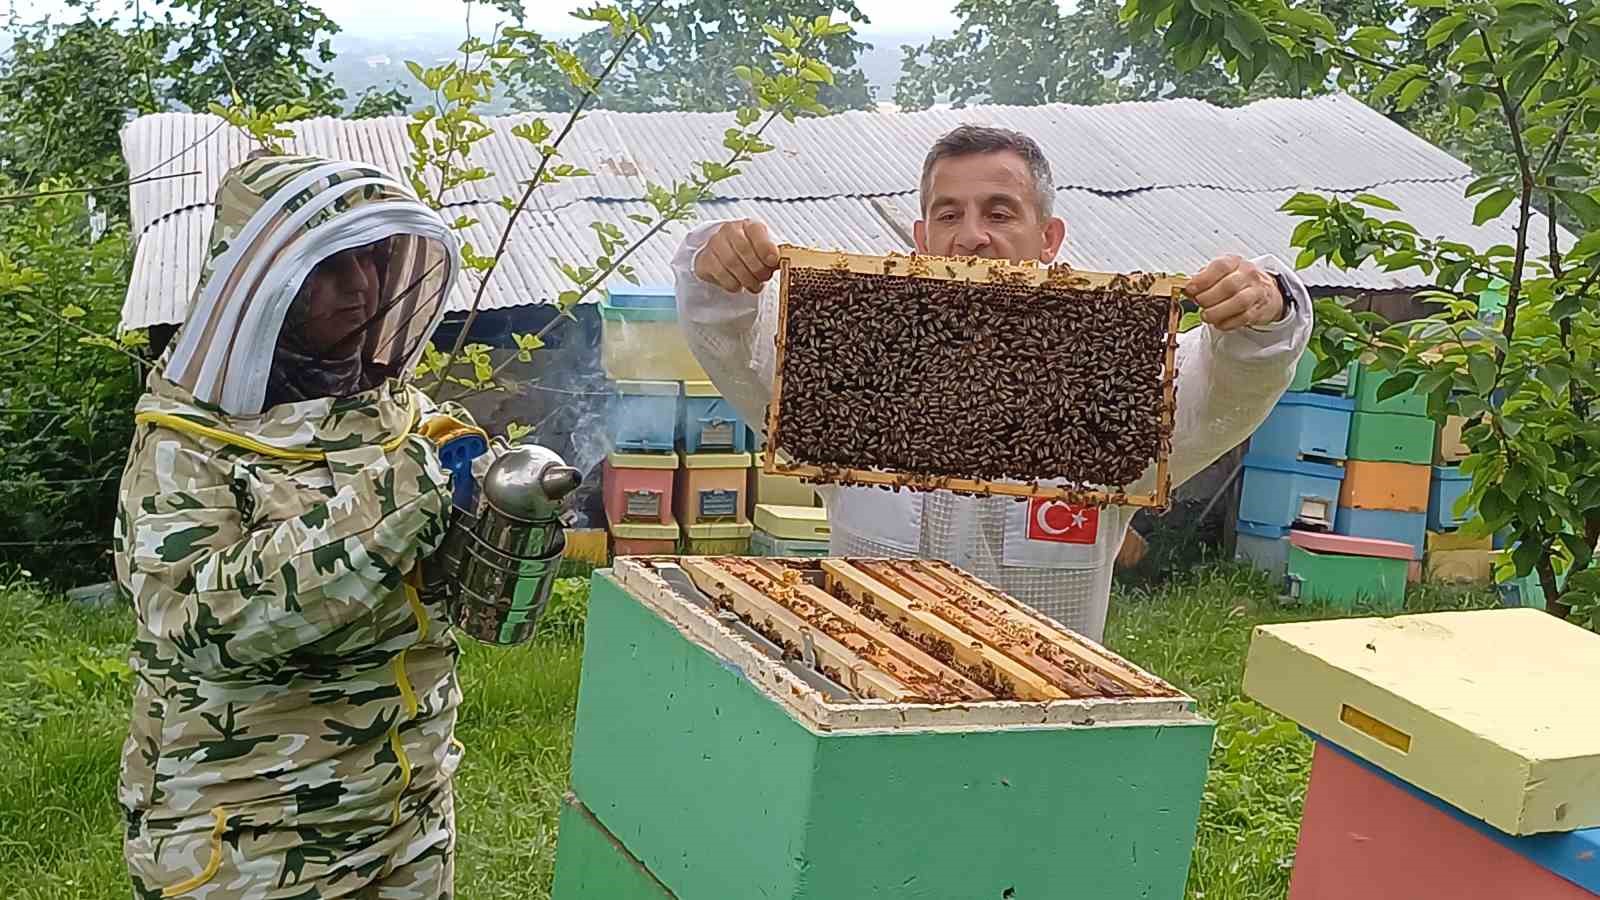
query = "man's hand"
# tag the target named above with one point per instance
(1235, 293)
(739, 256)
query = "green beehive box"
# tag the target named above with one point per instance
(1346, 581)
(1341, 383)
(588, 863)
(1391, 437)
(1368, 380)
(725, 774)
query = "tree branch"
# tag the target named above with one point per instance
(538, 178)
(12, 198)
(1366, 60)
(665, 220)
(1525, 208)
(76, 327)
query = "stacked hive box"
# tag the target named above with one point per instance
(850, 728)
(1453, 557)
(1457, 754)
(665, 412)
(1294, 468)
(1386, 487)
(786, 513)
(1392, 478)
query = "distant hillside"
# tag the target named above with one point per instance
(367, 62)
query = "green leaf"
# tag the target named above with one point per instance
(73, 311)
(1492, 205)
(1409, 95)
(1374, 200)
(1441, 30)
(1585, 206)
(1304, 204)
(1396, 385)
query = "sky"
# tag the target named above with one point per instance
(379, 18)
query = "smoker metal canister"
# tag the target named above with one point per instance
(506, 558)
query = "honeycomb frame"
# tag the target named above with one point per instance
(777, 459)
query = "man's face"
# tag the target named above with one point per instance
(984, 205)
(343, 298)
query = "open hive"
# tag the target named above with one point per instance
(972, 375)
(859, 727)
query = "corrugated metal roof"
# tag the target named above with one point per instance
(1329, 143)
(1152, 186)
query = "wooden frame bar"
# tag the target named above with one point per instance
(854, 672)
(1093, 657)
(967, 648)
(897, 645)
(1009, 637)
(984, 271)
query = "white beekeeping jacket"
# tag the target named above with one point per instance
(1054, 558)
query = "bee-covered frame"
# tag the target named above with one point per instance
(974, 270)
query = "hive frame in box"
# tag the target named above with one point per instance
(972, 270)
(812, 709)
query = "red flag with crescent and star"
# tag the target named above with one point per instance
(1062, 523)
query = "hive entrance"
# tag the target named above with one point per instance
(973, 375)
(906, 631)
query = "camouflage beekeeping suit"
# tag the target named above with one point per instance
(295, 698)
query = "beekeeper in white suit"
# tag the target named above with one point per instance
(988, 192)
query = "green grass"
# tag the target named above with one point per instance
(63, 711)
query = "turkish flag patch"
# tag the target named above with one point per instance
(1063, 523)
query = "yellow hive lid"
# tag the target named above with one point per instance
(700, 389)
(1491, 711)
(719, 531)
(645, 531)
(652, 388)
(643, 460)
(716, 460)
(799, 523)
(1455, 540)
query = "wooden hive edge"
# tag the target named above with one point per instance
(975, 269)
(808, 707)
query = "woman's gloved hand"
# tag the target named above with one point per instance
(460, 445)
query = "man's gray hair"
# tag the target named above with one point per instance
(967, 140)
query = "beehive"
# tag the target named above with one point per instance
(1457, 754)
(828, 728)
(1066, 378)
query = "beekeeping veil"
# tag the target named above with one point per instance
(243, 345)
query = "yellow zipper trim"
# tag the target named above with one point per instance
(405, 770)
(408, 694)
(212, 865)
(178, 423)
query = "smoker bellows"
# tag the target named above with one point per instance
(973, 375)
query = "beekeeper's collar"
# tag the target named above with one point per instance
(276, 218)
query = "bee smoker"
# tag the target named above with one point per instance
(500, 559)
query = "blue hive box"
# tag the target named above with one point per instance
(1385, 525)
(642, 297)
(1264, 547)
(710, 424)
(1282, 493)
(1448, 486)
(645, 416)
(1305, 425)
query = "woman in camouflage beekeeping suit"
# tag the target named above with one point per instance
(295, 698)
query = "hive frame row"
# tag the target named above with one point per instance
(812, 709)
(983, 271)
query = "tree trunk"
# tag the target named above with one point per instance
(1547, 580)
